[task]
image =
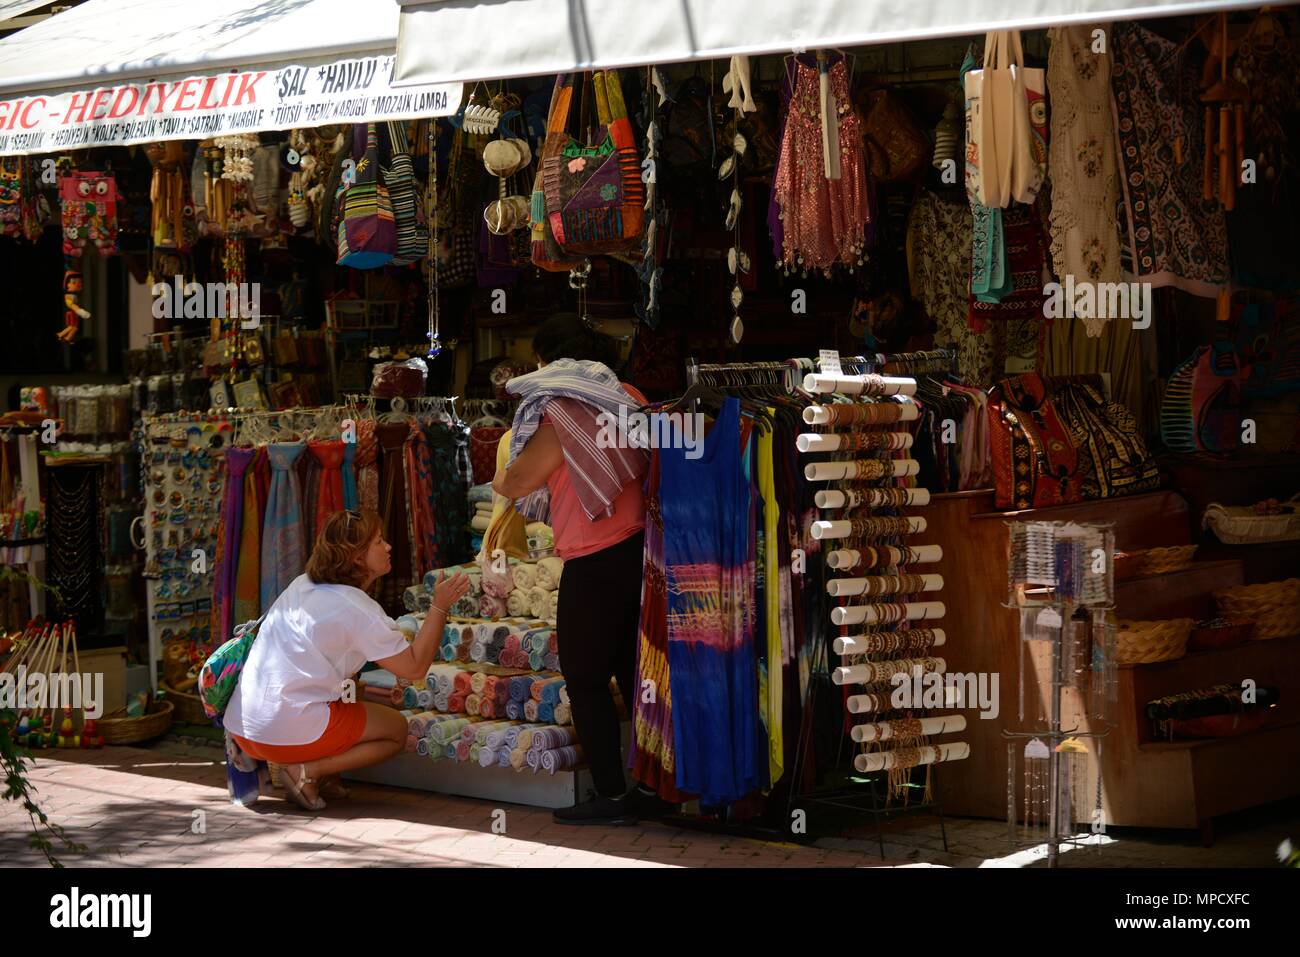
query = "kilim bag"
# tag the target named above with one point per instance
(1035, 460)
(1200, 410)
(412, 242)
(594, 197)
(367, 233)
(1115, 456)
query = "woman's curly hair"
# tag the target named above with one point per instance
(338, 558)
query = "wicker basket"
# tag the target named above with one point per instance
(1145, 642)
(1241, 525)
(189, 707)
(117, 728)
(1153, 561)
(1274, 607)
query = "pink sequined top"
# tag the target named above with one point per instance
(824, 221)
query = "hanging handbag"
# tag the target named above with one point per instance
(1115, 455)
(367, 234)
(1035, 460)
(412, 235)
(593, 193)
(898, 146)
(1200, 410)
(1006, 124)
(546, 251)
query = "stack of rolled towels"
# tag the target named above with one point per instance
(467, 606)
(536, 588)
(510, 643)
(496, 743)
(480, 501)
(449, 689)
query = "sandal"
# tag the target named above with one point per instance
(294, 788)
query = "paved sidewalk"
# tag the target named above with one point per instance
(138, 808)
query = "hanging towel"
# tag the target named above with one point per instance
(248, 598)
(572, 393)
(283, 551)
(329, 454)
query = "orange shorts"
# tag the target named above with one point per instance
(347, 722)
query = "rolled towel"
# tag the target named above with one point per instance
(496, 739)
(481, 493)
(519, 759)
(411, 742)
(551, 662)
(456, 703)
(442, 702)
(477, 681)
(515, 710)
(478, 650)
(525, 575)
(451, 750)
(449, 652)
(549, 572)
(510, 736)
(551, 692)
(539, 601)
(462, 750)
(503, 758)
(466, 606)
(561, 759)
(553, 612)
(422, 747)
(546, 712)
(564, 695)
(415, 598)
(497, 583)
(480, 522)
(487, 708)
(553, 645)
(530, 710)
(409, 698)
(534, 760)
(517, 603)
(563, 715)
(475, 582)
(520, 688)
(470, 732)
(473, 704)
(464, 682)
(424, 698)
(490, 606)
(536, 661)
(551, 737)
(487, 757)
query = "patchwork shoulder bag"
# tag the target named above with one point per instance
(220, 673)
(546, 250)
(367, 232)
(1200, 410)
(595, 200)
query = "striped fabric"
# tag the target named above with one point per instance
(283, 548)
(574, 392)
(412, 233)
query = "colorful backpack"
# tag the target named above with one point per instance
(1200, 410)
(220, 673)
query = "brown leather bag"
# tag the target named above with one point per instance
(897, 144)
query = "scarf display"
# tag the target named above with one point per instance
(248, 598)
(392, 437)
(349, 475)
(225, 582)
(367, 466)
(329, 454)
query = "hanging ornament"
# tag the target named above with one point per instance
(73, 313)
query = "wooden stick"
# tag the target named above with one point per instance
(1207, 175)
(1226, 191)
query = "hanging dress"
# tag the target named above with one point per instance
(232, 513)
(283, 548)
(329, 454)
(248, 583)
(823, 221)
(710, 582)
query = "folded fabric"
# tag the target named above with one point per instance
(572, 393)
(549, 571)
(525, 575)
(561, 759)
(483, 507)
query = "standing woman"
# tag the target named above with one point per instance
(597, 511)
(288, 707)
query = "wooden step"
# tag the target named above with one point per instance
(1194, 744)
(1183, 594)
(1149, 520)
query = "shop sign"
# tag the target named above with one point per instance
(218, 104)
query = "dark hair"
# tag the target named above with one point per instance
(568, 337)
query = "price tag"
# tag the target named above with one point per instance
(829, 362)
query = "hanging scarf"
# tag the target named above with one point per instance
(329, 496)
(248, 599)
(419, 479)
(349, 475)
(393, 510)
(367, 464)
(232, 513)
(283, 552)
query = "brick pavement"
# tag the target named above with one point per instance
(136, 807)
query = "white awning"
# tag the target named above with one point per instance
(112, 72)
(466, 40)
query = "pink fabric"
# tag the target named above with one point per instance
(576, 534)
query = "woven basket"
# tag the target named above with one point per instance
(1153, 561)
(1240, 525)
(189, 707)
(1274, 607)
(1144, 642)
(117, 728)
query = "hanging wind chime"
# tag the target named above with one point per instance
(737, 82)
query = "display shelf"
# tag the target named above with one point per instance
(466, 779)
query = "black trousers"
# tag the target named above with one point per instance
(597, 620)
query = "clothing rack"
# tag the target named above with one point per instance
(431, 405)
